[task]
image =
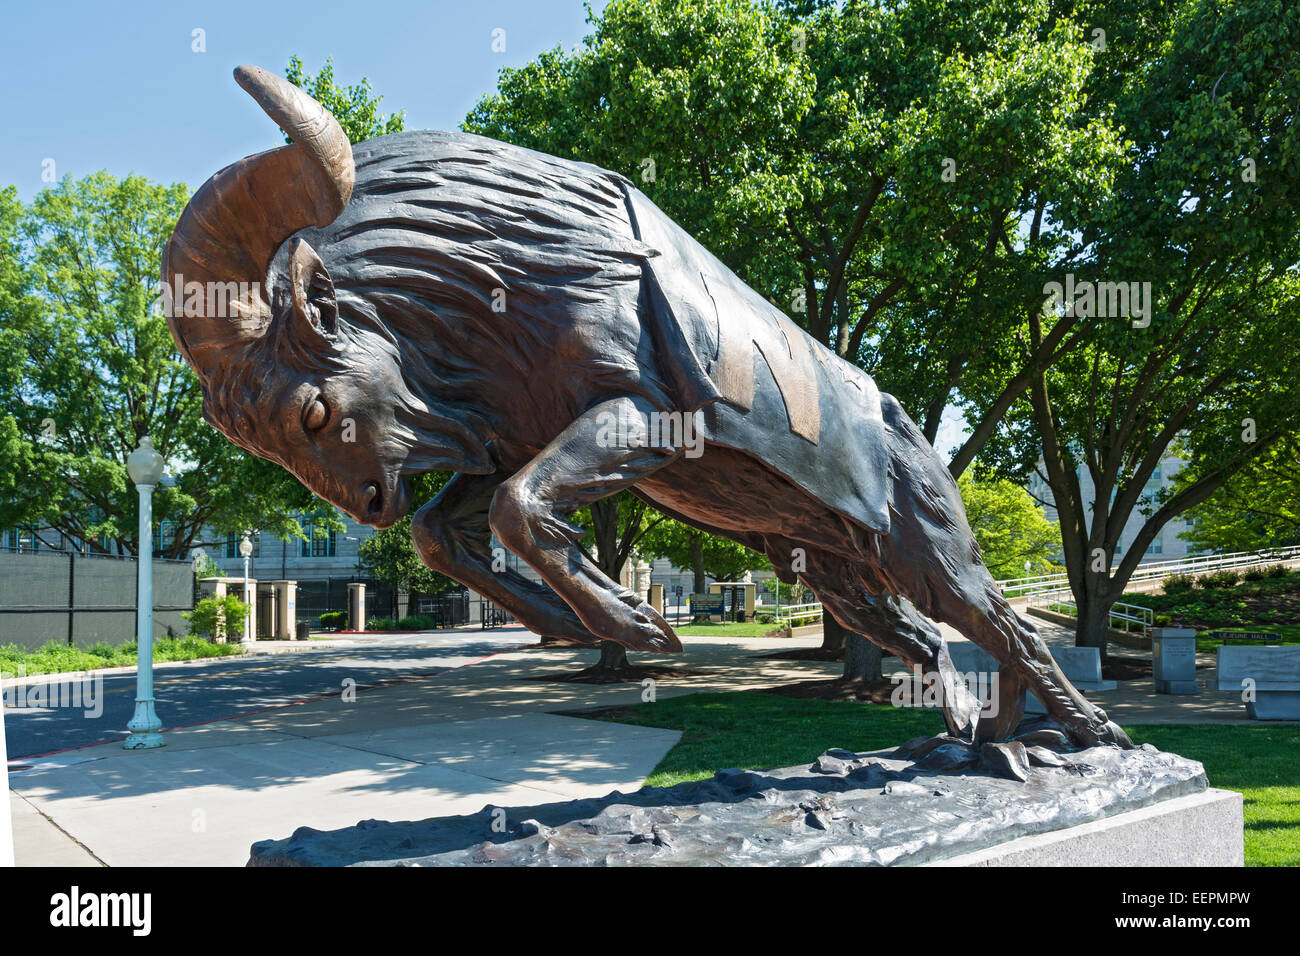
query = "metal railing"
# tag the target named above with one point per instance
(1158, 570)
(790, 612)
(1125, 614)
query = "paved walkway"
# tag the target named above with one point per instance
(450, 743)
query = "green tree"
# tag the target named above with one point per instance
(356, 107)
(706, 555)
(871, 168)
(1257, 508)
(1205, 211)
(90, 367)
(1009, 527)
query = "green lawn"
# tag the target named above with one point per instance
(748, 629)
(57, 658)
(755, 731)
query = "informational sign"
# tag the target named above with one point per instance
(707, 603)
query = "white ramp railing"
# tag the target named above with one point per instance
(1158, 570)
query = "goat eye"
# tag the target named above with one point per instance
(315, 414)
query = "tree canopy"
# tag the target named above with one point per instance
(90, 367)
(908, 181)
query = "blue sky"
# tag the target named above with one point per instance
(117, 86)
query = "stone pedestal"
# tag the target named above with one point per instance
(1081, 665)
(1267, 678)
(1173, 660)
(1158, 835)
(1100, 806)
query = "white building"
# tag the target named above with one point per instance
(1165, 546)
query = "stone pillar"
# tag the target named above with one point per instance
(285, 625)
(642, 586)
(657, 597)
(356, 607)
(1173, 660)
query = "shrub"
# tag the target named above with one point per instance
(213, 616)
(1277, 571)
(1161, 620)
(1179, 582)
(1219, 579)
(1253, 574)
(334, 620)
(417, 622)
(764, 618)
(380, 624)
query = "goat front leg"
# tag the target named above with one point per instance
(591, 459)
(452, 537)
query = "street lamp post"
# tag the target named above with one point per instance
(246, 550)
(145, 466)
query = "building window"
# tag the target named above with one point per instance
(162, 536)
(318, 544)
(1119, 547)
(1156, 547)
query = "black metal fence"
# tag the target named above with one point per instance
(330, 594)
(82, 598)
(447, 609)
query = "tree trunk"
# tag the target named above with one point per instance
(862, 659)
(1093, 624)
(612, 656)
(697, 563)
(833, 633)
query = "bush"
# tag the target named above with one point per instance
(213, 616)
(1253, 574)
(1277, 571)
(417, 622)
(1219, 579)
(334, 620)
(764, 618)
(1179, 582)
(380, 624)
(1161, 620)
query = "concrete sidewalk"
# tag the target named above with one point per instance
(450, 743)
(445, 744)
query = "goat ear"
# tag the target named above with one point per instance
(315, 308)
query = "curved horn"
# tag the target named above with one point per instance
(238, 218)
